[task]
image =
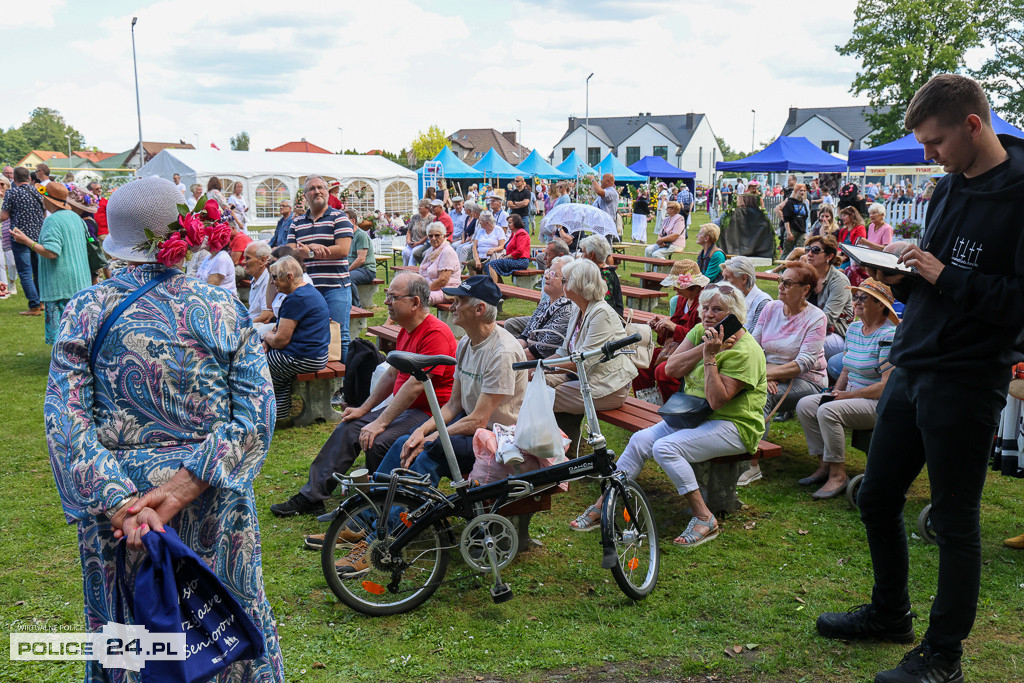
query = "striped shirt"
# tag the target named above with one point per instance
(865, 354)
(333, 225)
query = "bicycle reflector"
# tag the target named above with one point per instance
(625, 514)
(377, 589)
(633, 564)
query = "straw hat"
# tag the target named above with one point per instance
(684, 267)
(881, 293)
(144, 203)
(56, 198)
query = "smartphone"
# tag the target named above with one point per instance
(729, 326)
(826, 396)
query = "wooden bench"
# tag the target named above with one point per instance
(357, 321)
(717, 476)
(659, 265)
(649, 280)
(316, 389)
(387, 336)
(642, 298)
(527, 278)
(763, 275)
(367, 292)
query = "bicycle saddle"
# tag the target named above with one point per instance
(416, 364)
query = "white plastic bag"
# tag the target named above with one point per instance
(537, 431)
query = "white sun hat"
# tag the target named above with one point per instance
(144, 203)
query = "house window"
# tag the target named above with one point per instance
(700, 157)
(661, 152)
(632, 155)
(269, 195)
(359, 197)
(398, 198)
(566, 151)
(830, 146)
(593, 156)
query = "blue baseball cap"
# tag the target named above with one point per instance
(479, 287)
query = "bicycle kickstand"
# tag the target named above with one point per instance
(500, 592)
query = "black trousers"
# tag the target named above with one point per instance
(924, 418)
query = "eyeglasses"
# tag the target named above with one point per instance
(814, 249)
(860, 298)
(790, 283)
(393, 297)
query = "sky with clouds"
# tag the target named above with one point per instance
(381, 71)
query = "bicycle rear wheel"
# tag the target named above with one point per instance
(369, 576)
(627, 523)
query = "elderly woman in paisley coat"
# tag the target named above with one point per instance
(168, 425)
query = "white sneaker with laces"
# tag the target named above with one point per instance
(753, 474)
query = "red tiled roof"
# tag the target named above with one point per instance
(46, 154)
(301, 146)
(94, 157)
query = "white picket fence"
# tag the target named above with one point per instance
(896, 212)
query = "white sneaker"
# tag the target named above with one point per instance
(753, 474)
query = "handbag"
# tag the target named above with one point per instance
(97, 259)
(684, 411)
(177, 593)
(645, 347)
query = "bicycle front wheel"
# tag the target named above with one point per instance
(366, 573)
(627, 523)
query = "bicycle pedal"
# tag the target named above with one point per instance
(501, 593)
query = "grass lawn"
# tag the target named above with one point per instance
(778, 563)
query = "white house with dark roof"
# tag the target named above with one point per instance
(684, 140)
(834, 129)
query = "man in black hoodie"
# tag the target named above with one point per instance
(962, 330)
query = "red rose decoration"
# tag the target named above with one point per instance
(195, 232)
(172, 251)
(219, 235)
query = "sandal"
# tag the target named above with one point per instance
(692, 537)
(588, 521)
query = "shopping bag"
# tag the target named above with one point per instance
(176, 592)
(537, 431)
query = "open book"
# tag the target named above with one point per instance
(883, 261)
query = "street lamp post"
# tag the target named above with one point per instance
(586, 145)
(69, 151)
(520, 138)
(138, 106)
(753, 126)
(341, 138)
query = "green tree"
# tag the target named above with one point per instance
(427, 145)
(240, 142)
(47, 129)
(903, 43)
(13, 147)
(1003, 74)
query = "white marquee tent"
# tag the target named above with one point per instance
(371, 181)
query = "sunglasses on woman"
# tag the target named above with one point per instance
(814, 249)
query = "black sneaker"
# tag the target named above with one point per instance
(298, 505)
(921, 665)
(864, 622)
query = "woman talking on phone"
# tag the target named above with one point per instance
(727, 369)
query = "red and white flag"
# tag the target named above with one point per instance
(215, 146)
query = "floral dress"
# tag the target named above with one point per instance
(181, 381)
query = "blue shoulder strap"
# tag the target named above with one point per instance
(101, 336)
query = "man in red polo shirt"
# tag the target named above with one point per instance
(375, 431)
(442, 217)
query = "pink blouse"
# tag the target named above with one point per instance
(673, 224)
(882, 235)
(799, 338)
(446, 260)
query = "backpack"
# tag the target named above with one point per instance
(363, 359)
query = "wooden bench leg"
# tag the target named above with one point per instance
(522, 525)
(316, 398)
(718, 484)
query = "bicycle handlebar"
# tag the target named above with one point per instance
(607, 350)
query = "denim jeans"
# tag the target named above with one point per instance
(339, 303)
(28, 265)
(925, 418)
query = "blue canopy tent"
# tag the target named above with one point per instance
(453, 166)
(787, 154)
(534, 166)
(907, 151)
(492, 165)
(573, 166)
(622, 174)
(656, 167)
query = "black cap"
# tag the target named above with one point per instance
(479, 287)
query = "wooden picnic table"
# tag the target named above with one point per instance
(655, 264)
(639, 297)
